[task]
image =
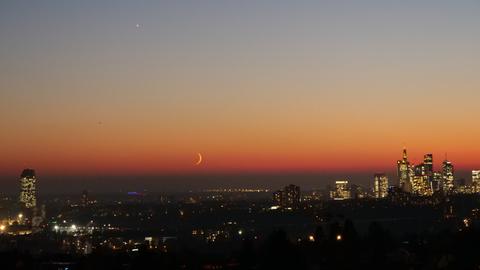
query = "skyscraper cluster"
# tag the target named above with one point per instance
(423, 180)
(418, 179)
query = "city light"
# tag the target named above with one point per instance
(419, 186)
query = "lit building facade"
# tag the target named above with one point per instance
(428, 166)
(447, 176)
(422, 177)
(476, 181)
(289, 197)
(421, 185)
(28, 196)
(342, 190)
(380, 185)
(436, 181)
(403, 172)
(277, 197)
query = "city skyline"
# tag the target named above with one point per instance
(407, 173)
(207, 134)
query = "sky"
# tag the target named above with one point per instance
(113, 92)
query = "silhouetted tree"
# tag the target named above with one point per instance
(280, 253)
(247, 258)
(334, 229)
(349, 232)
(319, 235)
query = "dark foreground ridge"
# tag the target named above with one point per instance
(238, 231)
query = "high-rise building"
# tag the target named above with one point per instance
(476, 180)
(289, 197)
(85, 200)
(419, 170)
(421, 185)
(403, 171)
(380, 185)
(425, 168)
(277, 197)
(437, 181)
(422, 177)
(447, 175)
(428, 166)
(417, 184)
(28, 196)
(342, 190)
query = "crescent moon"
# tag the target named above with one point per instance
(200, 159)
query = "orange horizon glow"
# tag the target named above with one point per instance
(152, 164)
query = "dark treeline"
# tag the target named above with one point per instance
(335, 246)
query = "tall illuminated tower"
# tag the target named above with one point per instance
(476, 180)
(380, 185)
(447, 175)
(403, 171)
(28, 196)
(428, 166)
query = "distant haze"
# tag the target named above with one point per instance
(181, 183)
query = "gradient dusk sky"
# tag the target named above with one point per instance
(137, 88)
